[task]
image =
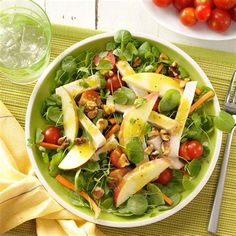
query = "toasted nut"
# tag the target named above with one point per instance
(153, 132)
(65, 144)
(165, 136)
(163, 56)
(137, 61)
(154, 155)
(110, 73)
(109, 109)
(91, 105)
(92, 114)
(148, 150)
(61, 140)
(81, 140)
(123, 160)
(165, 148)
(102, 124)
(98, 193)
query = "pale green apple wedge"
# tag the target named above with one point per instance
(152, 82)
(98, 139)
(79, 86)
(125, 70)
(134, 120)
(77, 156)
(181, 118)
(70, 113)
(137, 178)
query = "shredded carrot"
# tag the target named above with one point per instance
(112, 121)
(198, 91)
(202, 99)
(91, 202)
(113, 130)
(65, 182)
(177, 79)
(159, 68)
(167, 199)
(48, 145)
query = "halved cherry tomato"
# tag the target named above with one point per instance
(181, 4)
(90, 95)
(203, 12)
(225, 4)
(188, 17)
(162, 3)
(232, 13)
(110, 57)
(116, 176)
(203, 2)
(113, 83)
(118, 158)
(51, 134)
(190, 150)
(165, 177)
(219, 20)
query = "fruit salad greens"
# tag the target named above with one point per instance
(127, 130)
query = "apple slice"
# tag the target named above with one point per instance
(98, 139)
(79, 86)
(137, 178)
(118, 107)
(70, 113)
(134, 120)
(152, 82)
(77, 156)
(125, 70)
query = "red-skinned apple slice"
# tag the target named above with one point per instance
(136, 179)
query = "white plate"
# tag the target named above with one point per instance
(169, 18)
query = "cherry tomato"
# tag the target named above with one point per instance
(225, 4)
(190, 150)
(203, 12)
(181, 4)
(187, 16)
(110, 57)
(51, 134)
(219, 20)
(203, 2)
(113, 83)
(232, 13)
(162, 3)
(90, 95)
(116, 176)
(117, 159)
(165, 177)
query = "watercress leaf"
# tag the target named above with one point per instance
(122, 36)
(140, 102)
(83, 83)
(187, 183)
(45, 157)
(134, 150)
(69, 64)
(124, 96)
(107, 203)
(207, 123)
(155, 51)
(196, 119)
(91, 166)
(206, 151)
(137, 204)
(117, 52)
(80, 181)
(155, 196)
(62, 77)
(104, 94)
(55, 161)
(99, 115)
(182, 72)
(193, 167)
(175, 198)
(130, 51)
(84, 70)
(110, 46)
(54, 114)
(145, 47)
(104, 65)
(38, 135)
(149, 68)
(224, 121)
(146, 128)
(79, 202)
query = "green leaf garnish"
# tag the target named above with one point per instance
(224, 121)
(193, 167)
(140, 102)
(134, 150)
(124, 96)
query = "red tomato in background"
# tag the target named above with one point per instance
(203, 12)
(181, 4)
(51, 134)
(232, 13)
(188, 17)
(190, 150)
(219, 20)
(162, 3)
(225, 4)
(113, 83)
(203, 2)
(165, 177)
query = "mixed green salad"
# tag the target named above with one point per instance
(127, 130)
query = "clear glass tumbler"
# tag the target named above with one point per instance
(25, 39)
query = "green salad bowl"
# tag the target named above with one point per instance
(35, 120)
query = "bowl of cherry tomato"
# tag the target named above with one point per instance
(203, 19)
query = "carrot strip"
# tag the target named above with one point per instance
(177, 79)
(167, 199)
(202, 99)
(113, 130)
(159, 68)
(48, 145)
(112, 121)
(91, 202)
(65, 182)
(198, 91)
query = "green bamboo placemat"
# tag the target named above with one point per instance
(193, 219)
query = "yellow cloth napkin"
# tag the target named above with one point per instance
(22, 197)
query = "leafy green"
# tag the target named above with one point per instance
(104, 64)
(122, 36)
(130, 51)
(55, 161)
(193, 167)
(187, 183)
(145, 47)
(175, 198)
(54, 114)
(224, 121)
(107, 203)
(137, 204)
(110, 46)
(155, 196)
(183, 73)
(45, 157)
(140, 102)
(69, 64)
(91, 166)
(134, 150)
(124, 96)
(38, 135)
(80, 181)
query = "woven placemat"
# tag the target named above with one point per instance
(193, 219)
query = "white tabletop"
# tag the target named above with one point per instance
(111, 15)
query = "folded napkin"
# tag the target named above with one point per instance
(22, 197)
